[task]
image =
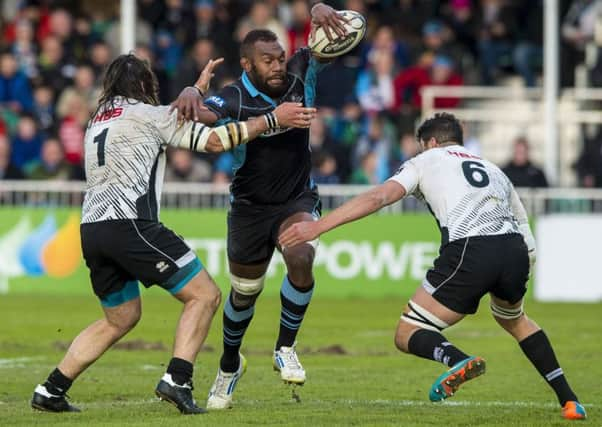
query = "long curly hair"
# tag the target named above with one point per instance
(129, 77)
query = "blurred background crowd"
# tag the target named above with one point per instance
(53, 54)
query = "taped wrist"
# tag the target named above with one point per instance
(271, 120)
(232, 134)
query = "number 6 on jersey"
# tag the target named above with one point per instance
(475, 174)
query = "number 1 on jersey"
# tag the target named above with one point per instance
(100, 151)
(475, 174)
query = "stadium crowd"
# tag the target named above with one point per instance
(53, 54)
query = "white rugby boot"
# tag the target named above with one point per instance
(220, 395)
(287, 362)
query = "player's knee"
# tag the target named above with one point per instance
(125, 322)
(245, 291)
(299, 263)
(401, 340)
(507, 318)
(214, 297)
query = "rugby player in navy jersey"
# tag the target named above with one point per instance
(271, 190)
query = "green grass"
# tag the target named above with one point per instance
(370, 384)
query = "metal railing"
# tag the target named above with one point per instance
(212, 196)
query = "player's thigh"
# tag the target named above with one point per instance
(511, 285)
(154, 254)
(249, 236)
(112, 284)
(464, 272)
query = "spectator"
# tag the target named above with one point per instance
(178, 21)
(51, 165)
(406, 149)
(461, 20)
(54, 69)
(496, 37)
(185, 167)
(261, 16)
(7, 169)
(520, 170)
(384, 41)
(72, 129)
(168, 51)
(300, 27)
(44, 108)
(27, 143)
(325, 169)
(366, 173)
(190, 68)
(15, 90)
(409, 83)
(25, 49)
(374, 88)
(528, 52)
(100, 56)
(144, 52)
(83, 89)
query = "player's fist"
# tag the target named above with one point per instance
(294, 115)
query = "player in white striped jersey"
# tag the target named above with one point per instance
(123, 241)
(486, 247)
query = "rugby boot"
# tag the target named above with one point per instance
(287, 363)
(178, 395)
(220, 394)
(573, 410)
(43, 400)
(450, 381)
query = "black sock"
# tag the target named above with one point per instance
(180, 370)
(539, 351)
(236, 321)
(434, 346)
(294, 302)
(57, 383)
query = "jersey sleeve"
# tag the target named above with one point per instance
(408, 176)
(172, 132)
(225, 103)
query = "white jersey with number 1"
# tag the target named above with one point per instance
(469, 196)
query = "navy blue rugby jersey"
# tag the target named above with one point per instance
(276, 167)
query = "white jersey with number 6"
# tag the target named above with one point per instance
(469, 196)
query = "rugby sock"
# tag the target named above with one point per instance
(434, 346)
(57, 383)
(235, 324)
(539, 351)
(294, 305)
(180, 370)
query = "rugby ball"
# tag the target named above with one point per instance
(324, 48)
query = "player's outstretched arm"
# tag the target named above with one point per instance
(197, 137)
(356, 208)
(189, 102)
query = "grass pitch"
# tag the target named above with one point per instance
(355, 375)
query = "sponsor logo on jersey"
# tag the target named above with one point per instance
(162, 266)
(273, 132)
(108, 114)
(215, 100)
(296, 98)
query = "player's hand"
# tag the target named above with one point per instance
(298, 233)
(326, 17)
(207, 74)
(189, 104)
(294, 115)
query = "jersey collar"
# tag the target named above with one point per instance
(253, 91)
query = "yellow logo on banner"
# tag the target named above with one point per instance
(61, 255)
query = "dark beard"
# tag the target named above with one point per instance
(262, 86)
